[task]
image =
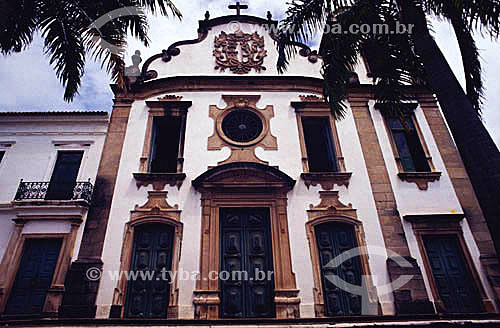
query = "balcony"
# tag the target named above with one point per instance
(47, 191)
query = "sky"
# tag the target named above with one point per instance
(28, 83)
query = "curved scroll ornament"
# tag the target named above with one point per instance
(239, 52)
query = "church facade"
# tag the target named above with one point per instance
(228, 191)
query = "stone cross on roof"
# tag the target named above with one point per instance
(238, 7)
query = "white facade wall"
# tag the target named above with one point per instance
(31, 143)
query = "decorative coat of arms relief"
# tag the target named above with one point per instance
(239, 52)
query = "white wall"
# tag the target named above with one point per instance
(196, 161)
(32, 156)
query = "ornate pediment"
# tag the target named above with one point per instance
(156, 205)
(243, 175)
(330, 204)
(239, 52)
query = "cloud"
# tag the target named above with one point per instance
(29, 83)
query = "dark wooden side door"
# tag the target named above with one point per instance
(333, 239)
(34, 276)
(245, 250)
(64, 176)
(453, 280)
(148, 292)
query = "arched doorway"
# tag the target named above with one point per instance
(333, 229)
(333, 239)
(249, 191)
(150, 256)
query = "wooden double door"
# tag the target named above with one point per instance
(34, 276)
(148, 288)
(333, 239)
(246, 276)
(452, 277)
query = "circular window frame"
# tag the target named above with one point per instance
(263, 133)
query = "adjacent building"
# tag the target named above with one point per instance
(48, 167)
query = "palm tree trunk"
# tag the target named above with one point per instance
(477, 149)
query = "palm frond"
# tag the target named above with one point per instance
(340, 53)
(302, 20)
(471, 62)
(65, 27)
(164, 6)
(464, 16)
(62, 33)
(483, 15)
(18, 19)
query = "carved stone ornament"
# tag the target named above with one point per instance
(330, 205)
(421, 179)
(242, 150)
(311, 98)
(239, 52)
(156, 204)
(327, 180)
(159, 180)
(170, 98)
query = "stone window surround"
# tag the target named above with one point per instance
(327, 180)
(14, 251)
(241, 151)
(421, 179)
(446, 224)
(83, 146)
(5, 146)
(330, 209)
(162, 107)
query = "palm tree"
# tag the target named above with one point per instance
(400, 59)
(70, 33)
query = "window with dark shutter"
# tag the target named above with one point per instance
(319, 144)
(407, 141)
(166, 139)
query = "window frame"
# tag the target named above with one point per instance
(315, 106)
(421, 138)
(5, 147)
(156, 109)
(164, 106)
(12, 259)
(319, 111)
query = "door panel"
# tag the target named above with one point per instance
(334, 239)
(451, 275)
(246, 253)
(149, 293)
(64, 176)
(34, 276)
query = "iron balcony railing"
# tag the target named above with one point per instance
(54, 191)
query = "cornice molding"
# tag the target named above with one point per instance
(279, 83)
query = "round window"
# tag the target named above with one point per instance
(242, 125)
